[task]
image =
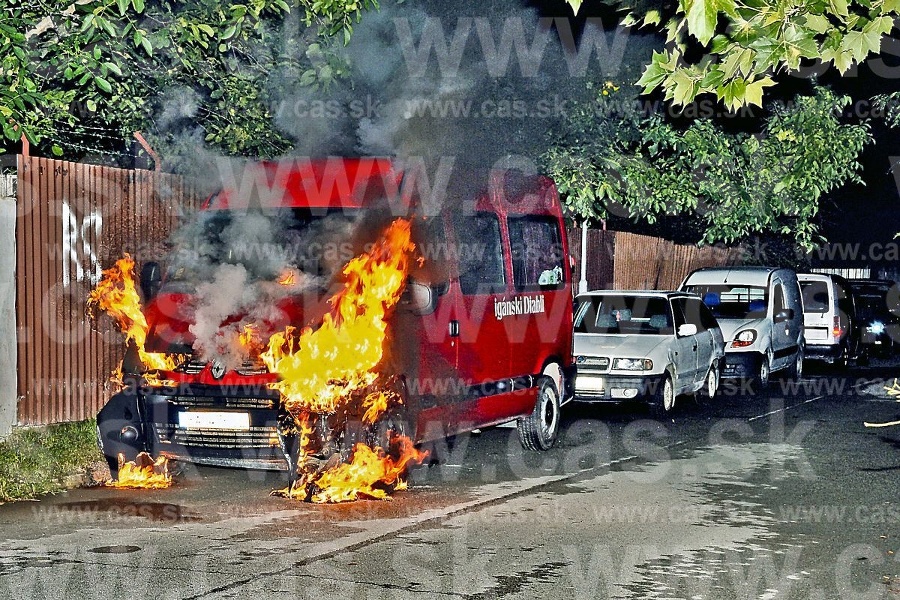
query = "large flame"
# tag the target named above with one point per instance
(322, 370)
(117, 295)
(143, 473)
(321, 367)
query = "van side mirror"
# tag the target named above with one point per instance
(785, 315)
(418, 298)
(151, 280)
(687, 329)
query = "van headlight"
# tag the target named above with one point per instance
(877, 327)
(744, 338)
(632, 364)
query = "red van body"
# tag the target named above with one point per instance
(482, 336)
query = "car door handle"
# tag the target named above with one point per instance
(453, 329)
(695, 346)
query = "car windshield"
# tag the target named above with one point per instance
(623, 314)
(733, 301)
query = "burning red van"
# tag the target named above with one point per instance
(479, 332)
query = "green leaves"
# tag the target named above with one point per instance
(728, 186)
(66, 79)
(743, 45)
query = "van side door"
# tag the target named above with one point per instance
(477, 324)
(539, 291)
(782, 337)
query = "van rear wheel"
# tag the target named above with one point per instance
(539, 430)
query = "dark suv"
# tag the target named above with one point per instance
(878, 305)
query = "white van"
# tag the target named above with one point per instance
(831, 328)
(761, 314)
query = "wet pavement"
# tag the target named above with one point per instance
(780, 496)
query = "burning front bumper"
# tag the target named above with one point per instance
(200, 424)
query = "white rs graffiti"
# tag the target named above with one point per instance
(77, 250)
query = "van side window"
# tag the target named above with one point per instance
(480, 252)
(431, 243)
(537, 255)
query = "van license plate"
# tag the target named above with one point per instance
(214, 420)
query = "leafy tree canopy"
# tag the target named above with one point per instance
(613, 158)
(72, 68)
(734, 48)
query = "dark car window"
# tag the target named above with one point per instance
(815, 296)
(696, 313)
(537, 253)
(480, 253)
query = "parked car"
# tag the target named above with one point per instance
(645, 344)
(761, 315)
(878, 307)
(831, 326)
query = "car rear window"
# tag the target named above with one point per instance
(815, 296)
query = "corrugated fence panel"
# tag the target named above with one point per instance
(74, 220)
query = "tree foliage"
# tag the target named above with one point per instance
(734, 48)
(613, 158)
(70, 67)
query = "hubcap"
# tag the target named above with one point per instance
(668, 395)
(548, 412)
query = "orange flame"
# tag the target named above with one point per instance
(288, 278)
(117, 295)
(370, 473)
(142, 473)
(322, 369)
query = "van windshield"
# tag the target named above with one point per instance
(632, 315)
(267, 245)
(733, 301)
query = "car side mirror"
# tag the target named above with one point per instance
(418, 298)
(785, 315)
(151, 280)
(687, 329)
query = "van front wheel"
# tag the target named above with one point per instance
(538, 431)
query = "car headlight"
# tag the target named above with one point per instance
(744, 338)
(877, 327)
(632, 364)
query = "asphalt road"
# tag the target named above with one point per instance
(786, 495)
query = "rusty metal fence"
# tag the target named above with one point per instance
(74, 220)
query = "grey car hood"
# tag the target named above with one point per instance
(624, 346)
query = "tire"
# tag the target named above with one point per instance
(796, 370)
(711, 383)
(664, 397)
(763, 374)
(539, 430)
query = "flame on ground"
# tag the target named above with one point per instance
(142, 473)
(117, 296)
(322, 370)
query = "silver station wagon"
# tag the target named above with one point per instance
(651, 345)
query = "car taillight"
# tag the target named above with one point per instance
(836, 330)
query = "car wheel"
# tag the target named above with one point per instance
(711, 384)
(539, 430)
(763, 374)
(796, 371)
(664, 398)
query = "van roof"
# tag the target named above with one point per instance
(749, 275)
(338, 182)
